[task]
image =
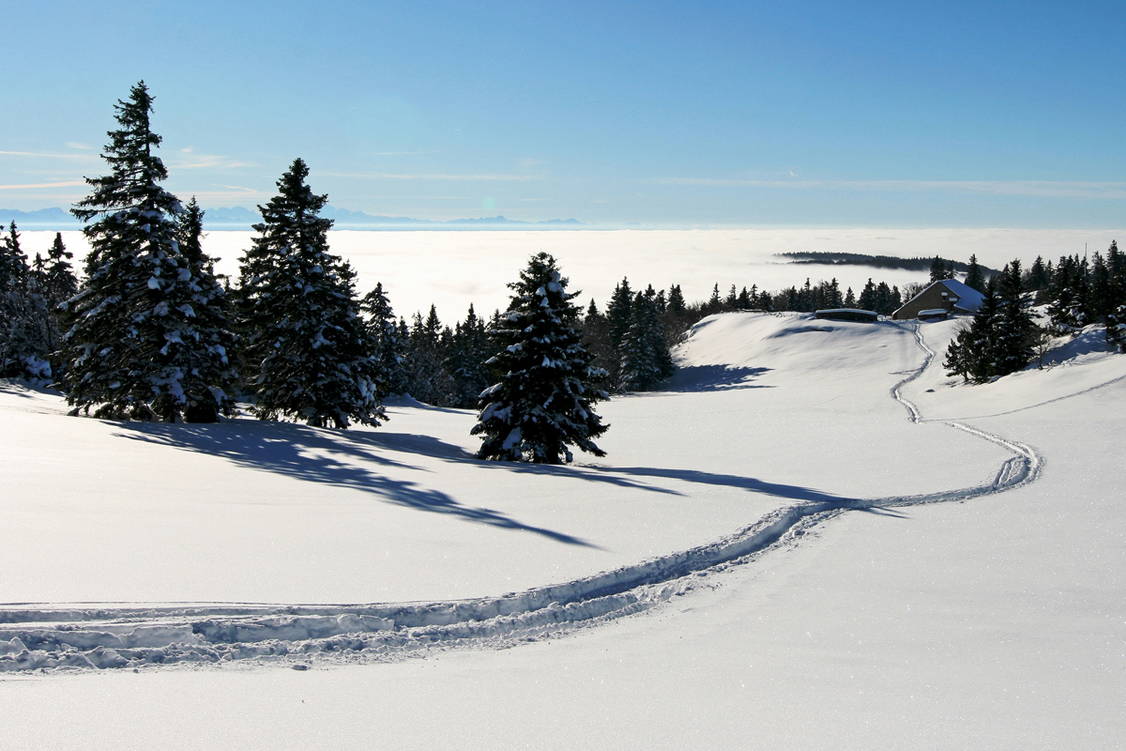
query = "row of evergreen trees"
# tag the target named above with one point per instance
(31, 323)
(153, 333)
(1004, 336)
(877, 296)
(631, 341)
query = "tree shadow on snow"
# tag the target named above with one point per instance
(25, 389)
(698, 378)
(433, 447)
(780, 490)
(753, 484)
(323, 456)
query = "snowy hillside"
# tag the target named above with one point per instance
(822, 454)
(264, 512)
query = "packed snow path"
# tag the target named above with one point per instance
(39, 636)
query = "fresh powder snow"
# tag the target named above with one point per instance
(833, 543)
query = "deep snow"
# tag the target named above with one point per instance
(976, 624)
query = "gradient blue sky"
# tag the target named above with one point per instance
(658, 113)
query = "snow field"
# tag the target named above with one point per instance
(85, 636)
(990, 624)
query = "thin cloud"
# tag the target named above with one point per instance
(39, 186)
(48, 155)
(207, 161)
(1038, 188)
(400, 197)
(402, 153)
(479, 177)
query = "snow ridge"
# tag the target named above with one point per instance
(92, 636)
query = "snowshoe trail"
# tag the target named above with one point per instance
(36, 636)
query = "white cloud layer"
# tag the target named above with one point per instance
(1041, 188)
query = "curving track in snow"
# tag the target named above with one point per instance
(86, 636)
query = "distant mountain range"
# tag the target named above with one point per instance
(237, 217)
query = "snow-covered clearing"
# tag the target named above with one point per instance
(997, 622)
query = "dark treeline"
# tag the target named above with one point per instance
(31, 322)
(916, 263)
(631, 335)
(1004, 336)
(153, 333)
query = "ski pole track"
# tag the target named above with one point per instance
(36, 636)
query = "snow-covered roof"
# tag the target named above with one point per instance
(968, 297)
(848, 310)
(962, 298)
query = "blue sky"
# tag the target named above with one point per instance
(656, 113)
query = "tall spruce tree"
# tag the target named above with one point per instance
(1116, 328)
(24, 334)
(975, 278)
(1068, 308)
(1015, 331)
(59, 285)
(137, 347)
(596, 338)
(210, 361)
(543, 402)
(972, 353)
(426, 375)
(939, 269)
(645, 353)
(305, 351)
(1037, 279)
(383, 331)
(469, 349)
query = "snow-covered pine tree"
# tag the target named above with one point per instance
(306, 353)
(1068, 295)
(1037, 279)
(210, 362)
(973, 353)
(596, 337)
(619, 315)
(939, 269)
(646, 359)
(1014, 327)
(59, 285)
(1116, 263)
(714, 304)
(1116, 319)
(1116, 328)
(426, 375)
(23, 315)
(465, 361)
(676, 305)
(975, 277)
(13, 263)
(383, 330)
(867, 299)
(135, 343)
(1101, 301)
(543, 404)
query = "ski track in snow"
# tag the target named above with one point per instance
(85, 636)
